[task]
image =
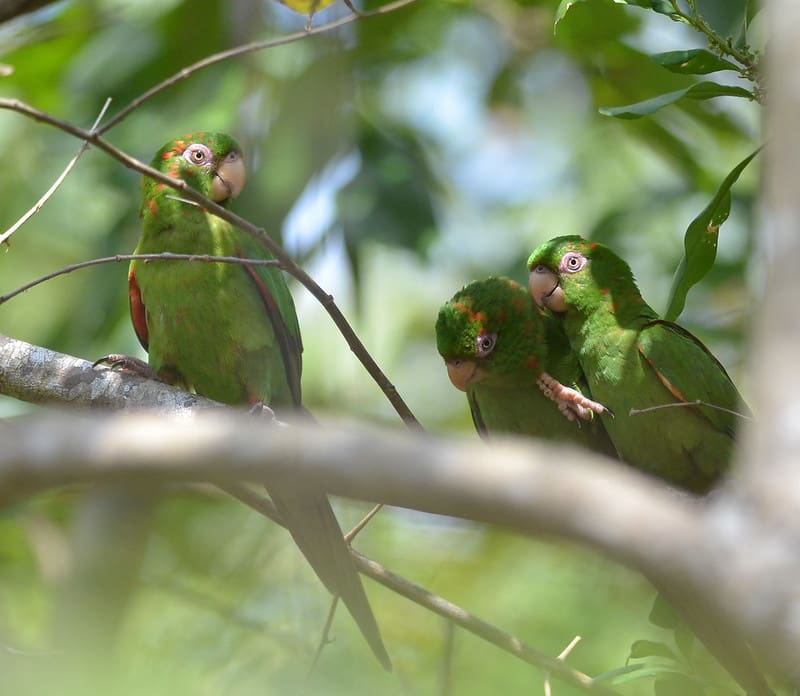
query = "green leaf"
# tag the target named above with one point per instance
(561, 11)
(700, 242)
(636, 672)
(651, 648)
(663, 614)
(699, 91)
(622, 674)
(697, 61)
(660, 6)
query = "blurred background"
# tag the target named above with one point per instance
(396, 158)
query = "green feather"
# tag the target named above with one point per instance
(504, 397)
(231, 333)
(635, 361)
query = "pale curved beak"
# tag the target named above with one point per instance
(461, 372)
(229, 178)
(545, 290)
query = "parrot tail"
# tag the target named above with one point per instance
(316, 531)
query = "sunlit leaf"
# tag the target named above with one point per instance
(699, 91)
(700, 242)
(561, 11)
(697, 61)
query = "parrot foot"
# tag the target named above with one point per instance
(261, 410)
(127, 363)
(572, 404)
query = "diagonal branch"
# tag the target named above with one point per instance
(60, 180)
(286, 261)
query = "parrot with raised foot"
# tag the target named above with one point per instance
(498, 348)
(676, 409)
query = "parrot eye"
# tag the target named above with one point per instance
(572, 262)
(485, 344)
(198, 154)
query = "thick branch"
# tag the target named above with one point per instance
(770, 457)
(38, 375)
(702, 550)
(286, 261)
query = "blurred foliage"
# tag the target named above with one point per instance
(397, 158)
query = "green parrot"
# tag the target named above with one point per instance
(648, 371)
(498, 347)
(230, 333)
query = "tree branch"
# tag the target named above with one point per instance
(41, 376)
(708, 552)
(54, 187)
(252, 47)
(286, 261)
(73, 381)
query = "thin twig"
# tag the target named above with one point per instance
(38, 205)
(324, 639)
(252, 47)
(363, 523)
(258, 233)
(561, 656)
(683, 404)
(448, 655)
(164, 256)
(439, 605)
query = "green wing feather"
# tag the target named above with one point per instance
(691, 373)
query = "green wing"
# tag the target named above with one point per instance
(279, 306)
(477, 418)
(689, 371)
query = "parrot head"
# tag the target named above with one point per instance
(571, 272)
(489, 329)
(211, 163)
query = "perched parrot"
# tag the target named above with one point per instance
(497, 345)
(230, 332)
(635, 361)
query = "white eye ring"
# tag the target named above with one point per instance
(485, 344)
(572, 262)
(198, 153)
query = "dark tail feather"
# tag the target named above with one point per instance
(315, 529)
